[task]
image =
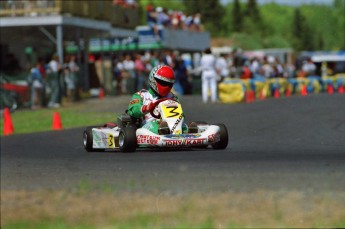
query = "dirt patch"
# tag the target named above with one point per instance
(218, 210)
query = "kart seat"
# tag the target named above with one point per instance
(192, 128)
(163, 128)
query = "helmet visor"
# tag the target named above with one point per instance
(164, 83)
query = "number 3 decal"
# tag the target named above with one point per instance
(173, 111)
(110, 140)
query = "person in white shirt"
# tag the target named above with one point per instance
(128, 74)
(208, 76)
(54, 68)
(309, 67)
(222, 66)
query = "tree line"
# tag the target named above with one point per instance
(249, 25)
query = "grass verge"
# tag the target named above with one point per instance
(78, 115)
(96, 209)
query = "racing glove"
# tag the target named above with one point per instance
(147, 108)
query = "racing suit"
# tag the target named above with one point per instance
(144, 97)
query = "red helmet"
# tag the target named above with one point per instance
(161, 79)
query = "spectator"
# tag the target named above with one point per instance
(70, 70)
(222, 66)
(254, 66)
(208, 76)
(181, 74)
(309, 67)
(35, 81)
(74, 72)
(154, 59)
(162, 17)
(54, 81)
(42, 70)
(197, 22)
(175, 20)
(117, 74)
(167, 58)
(246, 73)
(266, 70)
(151, 19)
(140, 72)
(128, 73)
(67, 80)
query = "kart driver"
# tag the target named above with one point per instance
(161, 81)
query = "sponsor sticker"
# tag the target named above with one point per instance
(134, 101)
(176, 123)
(213, 137)
(185, 142)
(184, 136)
(148, 139)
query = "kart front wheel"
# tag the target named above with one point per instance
(128, 139)
(88, 139)
(224, 138)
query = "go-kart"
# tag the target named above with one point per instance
(127, 134)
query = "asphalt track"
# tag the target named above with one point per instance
(295, 143)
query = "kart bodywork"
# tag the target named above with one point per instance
(128, 135)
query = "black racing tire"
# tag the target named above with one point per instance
(224, 137)
(88, 139)
(128, 139)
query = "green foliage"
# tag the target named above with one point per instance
(211, 12)
(275, 41)
(252, 11)
(237, 16)
(309, 27)
(246, 41)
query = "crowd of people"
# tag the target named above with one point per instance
(50, 82)
(131, 70)
(171, 19)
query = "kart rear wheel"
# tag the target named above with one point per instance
(128, 139)
(224, 138)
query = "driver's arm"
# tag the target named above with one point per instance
(134, 107)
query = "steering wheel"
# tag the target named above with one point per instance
(155, 104)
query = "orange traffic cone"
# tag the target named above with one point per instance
(288, 92)
(330, 89)
(262, 95)
(57, 125)
(252, 95)
(276, 93)
(341, 89)
(8, 125)
(304, 91)
(101, 93)
(248, 97)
